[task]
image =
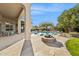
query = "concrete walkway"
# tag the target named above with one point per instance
(10, 40)
(13, 50)
(42, 49)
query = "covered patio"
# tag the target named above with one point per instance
(15, 25)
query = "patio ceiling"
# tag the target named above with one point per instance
(11, 10)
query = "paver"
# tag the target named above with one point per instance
(40, 48)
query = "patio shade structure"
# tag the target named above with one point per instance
(11, 13)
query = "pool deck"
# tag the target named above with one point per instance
(15, 45)
(41, 49)
(33, 47)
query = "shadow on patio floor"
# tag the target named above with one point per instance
(56, 44)
(27, 49)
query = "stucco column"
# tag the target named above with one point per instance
(19, 26)
(3, 26)
(28, 24)
(14, 28)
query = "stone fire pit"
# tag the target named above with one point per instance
(51, 41)
(48, 39)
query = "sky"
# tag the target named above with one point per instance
(48, 12)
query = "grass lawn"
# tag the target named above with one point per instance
(73, 46)
(74, 33)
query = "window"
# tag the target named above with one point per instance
(9, 28)
(22, 26)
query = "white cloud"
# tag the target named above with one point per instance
(39, 9)
(33, 12)
(54, 8)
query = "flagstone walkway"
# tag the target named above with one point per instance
(42, 49)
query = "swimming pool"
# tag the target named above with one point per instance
(46, 33)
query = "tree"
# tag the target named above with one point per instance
(69, 19)
(34, 27)
(64, 21)
(46, 26)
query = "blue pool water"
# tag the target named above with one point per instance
(45, 33)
